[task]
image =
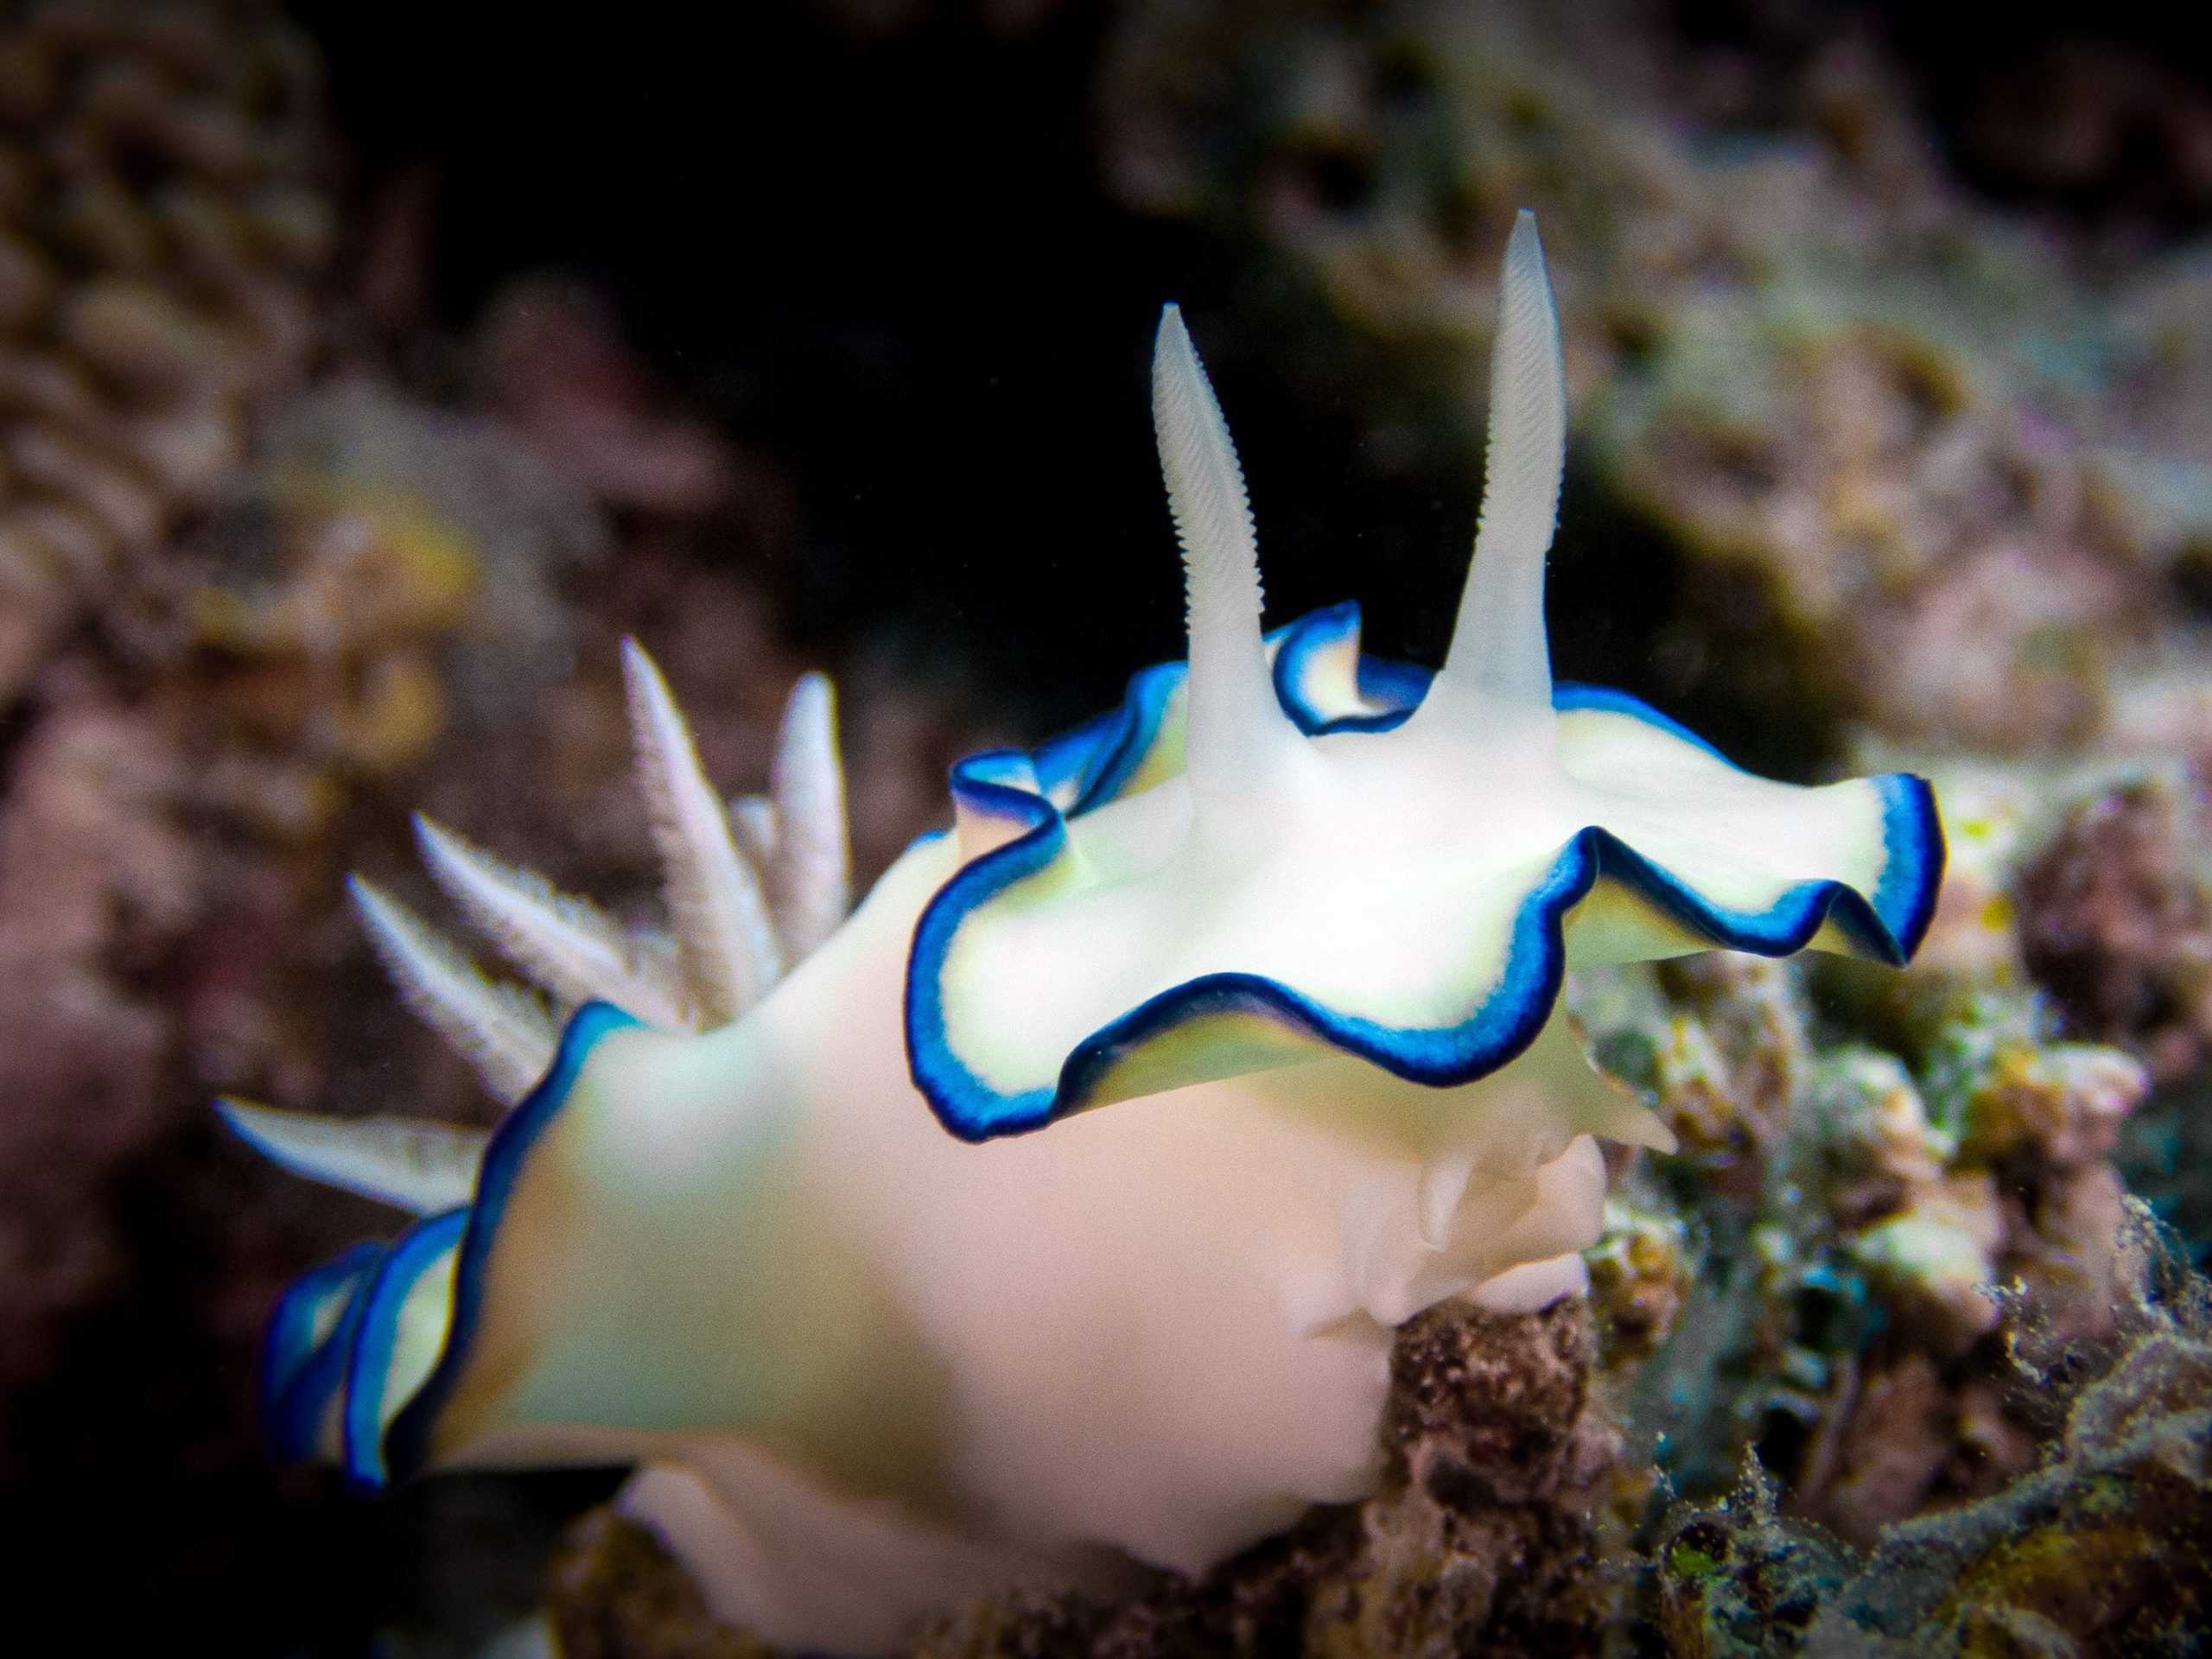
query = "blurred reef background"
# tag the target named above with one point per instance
(363, 382)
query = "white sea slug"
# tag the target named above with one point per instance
(1056, 1207)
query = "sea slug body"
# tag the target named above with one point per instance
(1055, 1209)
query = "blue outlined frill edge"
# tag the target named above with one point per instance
(362, 1351)
(1326, 684)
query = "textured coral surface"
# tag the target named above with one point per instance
(2099, 1550)
(163, 223)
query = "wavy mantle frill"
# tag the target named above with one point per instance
(1221, 1024)
(362, 1351)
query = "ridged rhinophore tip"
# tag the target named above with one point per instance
(1171, 328)
(1237, 731)
(1498, 646)
(809, 867)
(726, 946)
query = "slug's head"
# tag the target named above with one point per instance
(1281, 850)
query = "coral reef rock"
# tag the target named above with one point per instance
(617, 1594)
(2115, 920)
(162, 226)
(1824, 1272)
(2101, 1549)
(1488, 1534)
(95, 876)
(2090, 881)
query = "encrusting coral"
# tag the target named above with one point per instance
(1058, 1206)
(2116, 920)
(2102, 1548)
(2086, 882)
(1831, 1269)
(93, 871)
(381, 559)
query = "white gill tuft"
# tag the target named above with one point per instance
(501, 1031)
(753, 821)
(1498, 644)
(726, 946)
(425, 1168)
(567, 946)
(810, 870)
(1237, 731)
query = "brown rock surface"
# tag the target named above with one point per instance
(1490, 1534)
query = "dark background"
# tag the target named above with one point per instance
(889, 259)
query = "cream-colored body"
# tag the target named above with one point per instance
(1163, 1327)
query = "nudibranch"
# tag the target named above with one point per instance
(1053, 1211)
